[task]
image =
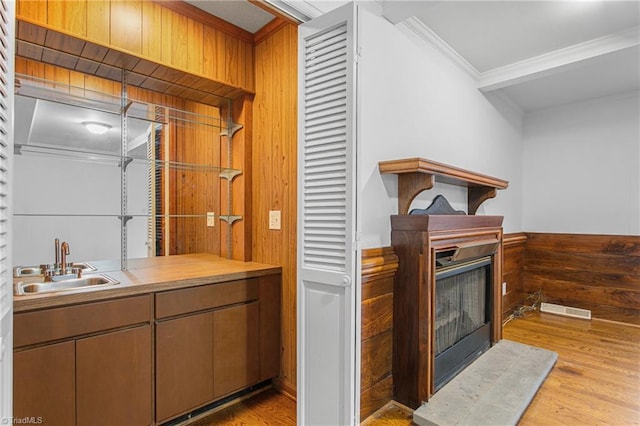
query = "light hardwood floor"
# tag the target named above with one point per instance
(596, 380)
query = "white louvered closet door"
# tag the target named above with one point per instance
(7, 41)
(327, 261)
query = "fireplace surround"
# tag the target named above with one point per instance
(432, 248)
(421, 242)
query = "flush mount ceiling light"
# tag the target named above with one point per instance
(96, 128)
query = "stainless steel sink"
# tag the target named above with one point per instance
(22, 288)
(30, 271)
(25, 271)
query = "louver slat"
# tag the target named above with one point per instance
(325, 126)
(5, 89)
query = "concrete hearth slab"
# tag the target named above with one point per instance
(494, 390)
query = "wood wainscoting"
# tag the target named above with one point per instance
(596, 272)
(379, 266)
(513, 249)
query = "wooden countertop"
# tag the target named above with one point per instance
(149, 275)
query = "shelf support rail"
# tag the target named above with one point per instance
(123, 174)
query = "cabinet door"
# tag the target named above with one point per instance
(269, 326)
(184, 364)
(113, 373)
(236, 349)
(44, 384)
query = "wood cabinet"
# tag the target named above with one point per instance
(236, 348)
(44, 383)
(102, 379)
(113, 378)
(184, 364)
(207, 355)
(110, 362)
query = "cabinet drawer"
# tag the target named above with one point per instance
(69, 321)
(183, 301)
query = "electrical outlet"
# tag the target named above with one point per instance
(504, 288)
(211, 219)
(274, 219)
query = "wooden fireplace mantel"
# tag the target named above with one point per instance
(417, 174)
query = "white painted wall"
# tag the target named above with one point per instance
(582, 167)
(414, 102)
(50, 189)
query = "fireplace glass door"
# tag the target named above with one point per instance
(462, 316)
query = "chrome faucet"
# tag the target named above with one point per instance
(64, 251)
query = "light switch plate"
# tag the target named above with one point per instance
(504, 288)
(211, 219)
(275, 217)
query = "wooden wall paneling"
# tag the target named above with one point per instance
(170, 150)
(30, 68)
(76, 79)
(378, 269)
(68, 15)
(169, 33)
(126, 27)
(197, 188)
(249, 70)
(213, 52)
(375, 364)
(56, 74)
(151, 31)
(274, 180)
(596, 272)
(232, 53)
(36, 10)
(513, 272)
(174, 38)
(99, 17)
(195, 58)
(98, 84)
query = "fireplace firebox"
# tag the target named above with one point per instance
(462, 326)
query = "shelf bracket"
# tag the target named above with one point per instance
(477, 195)
(124, 162)
(409, 186)
(125, 109)
(234, 128)
(125, 218)
(229, 174)
(229, 218)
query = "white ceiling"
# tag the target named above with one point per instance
(493, 34)
(537, 54)
(239, 12)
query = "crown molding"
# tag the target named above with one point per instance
(396, 11)
(558, 60)
(533, 68)
(426, 34)
(299, 10)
